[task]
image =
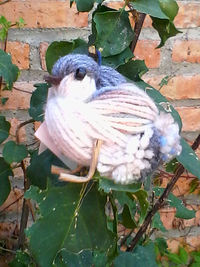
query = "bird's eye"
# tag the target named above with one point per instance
(80, 74)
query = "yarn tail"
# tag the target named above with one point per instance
(169, 136)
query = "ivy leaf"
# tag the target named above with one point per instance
(165, 29)
(13, 152)
(127, 220)
(22, 259)
(119, 59)
(62, 48)
(157, 223)
(5, 25)
(66, 220)
(38, 101)
(111, 28)
(142, 256)
(161, 102)
(4, 129)
(8, 71)
(5, 172)
(181, 211)
(40, 168)
(69, 259)
(189, 159)
(86, 5)
(151, 7)
(108, 186)
(133, 69)
(141, 196)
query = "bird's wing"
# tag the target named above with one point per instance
(125, 108)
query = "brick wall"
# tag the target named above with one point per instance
(51, 20)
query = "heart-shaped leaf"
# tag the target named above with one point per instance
(5, 172)
(8, 70)
(13, 152)
(4, 129)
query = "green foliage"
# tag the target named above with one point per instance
(5, 172)
(4, 129)
(13, 152)
(8, 71)
(62, 48)
(38, 100)
(6, 25)
(66, 219)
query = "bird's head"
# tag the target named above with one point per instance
(79, 76)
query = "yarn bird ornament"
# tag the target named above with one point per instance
(97, 119)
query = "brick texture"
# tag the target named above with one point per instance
(188, 15)
(186, 51)
(42, 50)
(145, 49)
(19, 53)
(190, 118)
(18, 99)
(179, 87)
(44, 14)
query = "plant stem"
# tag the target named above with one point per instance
(138, 26)
(159, 203)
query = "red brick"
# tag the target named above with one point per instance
(190, 118)
(145, 49)
(19, 53)
(22, 133)
(193, 242)
(18, 99)
(43, 49)
(44, 14)
(179, 87)
(188, 15)
(175, 243)
(186, 51)
(167, 216)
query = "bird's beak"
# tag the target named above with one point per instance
(53, 80)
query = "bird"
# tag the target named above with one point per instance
(96, 118)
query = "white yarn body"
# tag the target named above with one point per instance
(124, 119)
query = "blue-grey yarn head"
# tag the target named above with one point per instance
(103, 75)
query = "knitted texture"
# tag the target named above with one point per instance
(136, 137)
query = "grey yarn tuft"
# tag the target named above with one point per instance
(103, 75)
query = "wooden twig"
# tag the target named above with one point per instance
(5, 1)
(138, 26)
(161, 201)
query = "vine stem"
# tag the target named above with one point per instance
(26, 203)
(139, 20)
(159, 203)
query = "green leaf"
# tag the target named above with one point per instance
(141, 196)
(8, 71)
(62, 48)
(170, 8)
(5, 172)
(157, 223)
(127, 220)
(181, 211)
(161, 102)
(113, 32)
(66, 221)
(22, 259)
(194, 184)
(108, 186)
(38, 101)
(5, 25)
(171, 166)
(161, 244)
(40, 168)
(133, 69)
(183, 255)
(119, 59)
(20, 23)
(69, 259)
(165, 29)
(4, 100)
(189, 159)
(13, 152)
(142, 256)
(4, 129)
(150, 7)
(174, 258)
